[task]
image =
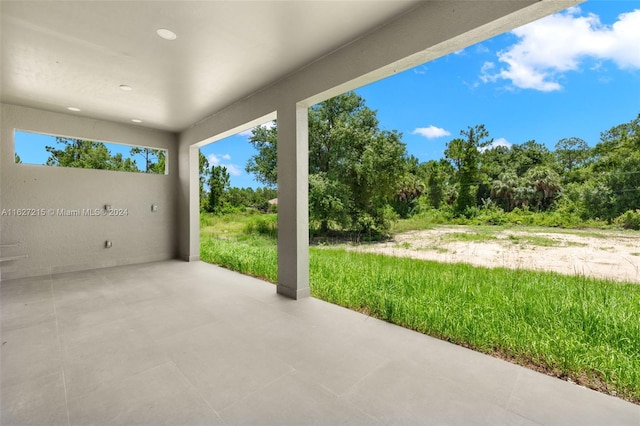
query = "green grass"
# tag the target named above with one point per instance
(573, 327)
(255, 256)
(405, 246)
(415, 223)
(235, 224)
(469, 236)
(534, 240)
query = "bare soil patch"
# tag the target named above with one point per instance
(594, 253)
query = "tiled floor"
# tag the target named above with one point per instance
(189, 343)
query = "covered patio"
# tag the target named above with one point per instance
(189, 343)
(113, 320)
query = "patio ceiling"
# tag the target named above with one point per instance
(60, 54)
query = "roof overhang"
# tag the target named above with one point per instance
(60, 54)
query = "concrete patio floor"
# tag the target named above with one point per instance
(190, 343)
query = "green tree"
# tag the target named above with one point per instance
(527, 155)
(464, 153)
(409, 188)
(438, 174)
(571, 153)
(616, 170)
(597, 200)
(118, 162)
(17, 158)
(618, 142)
(493, 162)
(159, 167)
(218, 184)
(89, 154)
(250, 198)
(154, 159)
(261, 198)
(348, 151)
(264, 165)
(504, 189)
(237, 197)
(496, 160)
(204, 173)
(79, 153)
(545, 185)
(329, 202)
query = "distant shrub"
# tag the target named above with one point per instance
(491, 214)
(436, 216)
(471, 212)
(261, 225)
(520, 216)
(494, 215)
(629, 219)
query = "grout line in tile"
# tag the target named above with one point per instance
(196, 389)
(60, 352)
(291, 371)
(361, 379)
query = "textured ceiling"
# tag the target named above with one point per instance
(58, 54)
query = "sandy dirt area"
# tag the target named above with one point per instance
(602, 254)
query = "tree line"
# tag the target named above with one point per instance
(574, 180)
(361, 178)
(217, 196)
(87, 154)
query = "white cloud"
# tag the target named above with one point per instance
(559, 43)
(481, 48)
(216, 160)
(430, 132)
(496, 143)
(500, 142)
(213, 159)
(233, 169)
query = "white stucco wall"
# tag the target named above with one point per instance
(56, 243)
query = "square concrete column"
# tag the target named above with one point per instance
(189, 202)
(293, 201)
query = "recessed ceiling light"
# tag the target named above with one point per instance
(166, 34)
(74, 109)
(135, 120)
(125, 88)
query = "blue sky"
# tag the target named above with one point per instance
(576, 73)
(584, 80)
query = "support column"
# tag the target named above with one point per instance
(293, 201)
(189, 203)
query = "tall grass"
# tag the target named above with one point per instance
(573, 327)
(255, 256)
(583, 329)
(236, 224)
(426, 217)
